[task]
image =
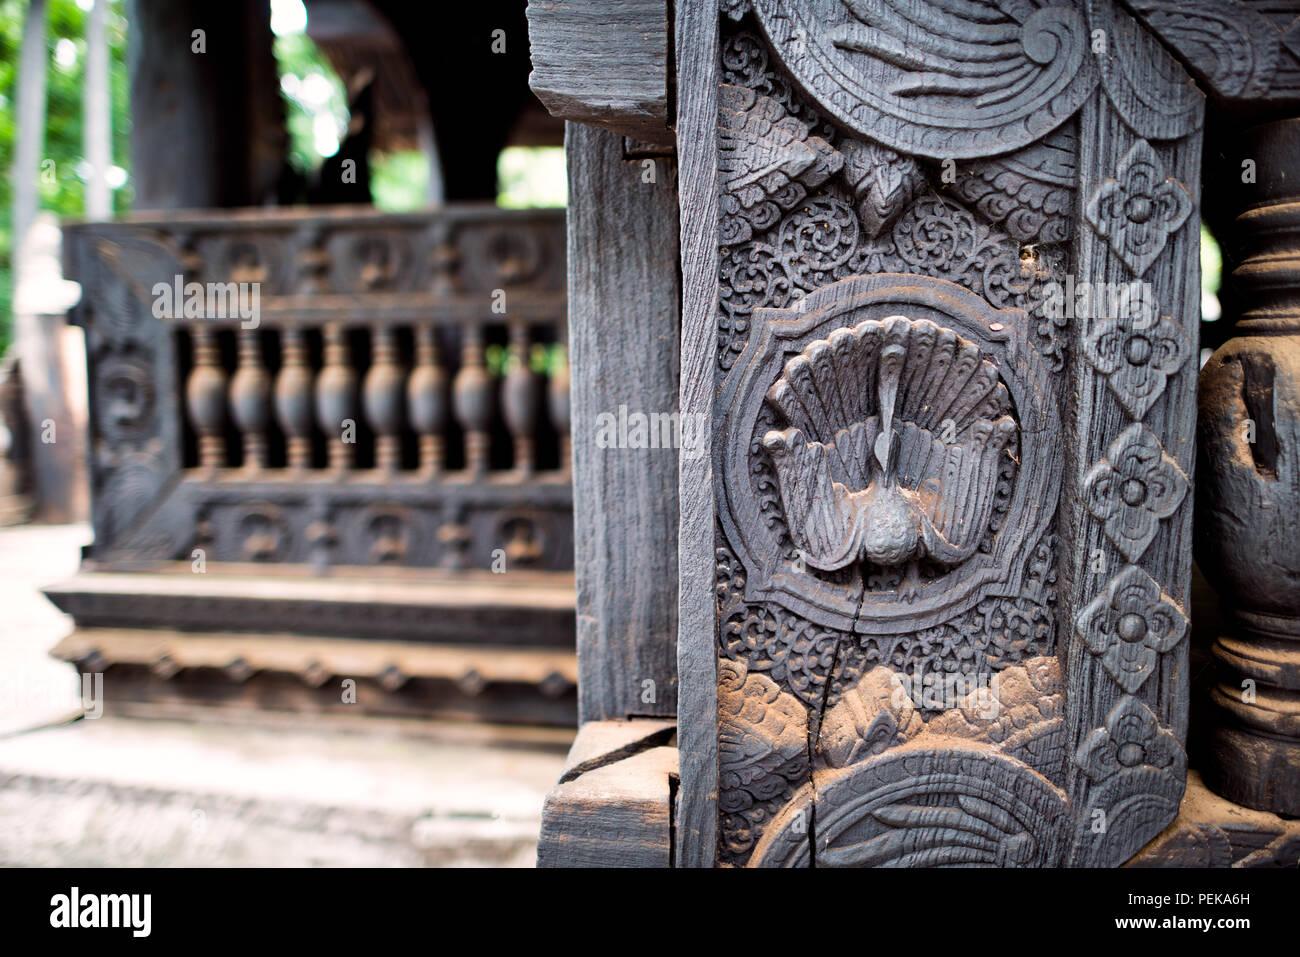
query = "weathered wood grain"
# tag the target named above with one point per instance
(623, 321)
(696, 32)
(1097, 560)
(603, 742)
(619, 815)
(603, 63)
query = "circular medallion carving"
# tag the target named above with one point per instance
(958, 803)
(939, 80)
(890, 453)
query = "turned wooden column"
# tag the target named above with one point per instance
(293, 399)
(519, 399)
(250, 399)
(336, 388)
(426, 397)
(383, 395)
(474, 400)
(1248, 504)
(205, 396)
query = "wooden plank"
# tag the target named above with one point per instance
(535, 609)
(623, 322)
(604, 63)
(614, 816)
(600, 743)
(696, 33)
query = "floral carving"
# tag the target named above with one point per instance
(1132, 738)
(1137, 351)
(1135, 488)
(1138, 210)
(762, 734)
(1030, 193)
(762, 753)
(1130, 625)
(821, 242)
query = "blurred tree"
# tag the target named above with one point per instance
(63, 190)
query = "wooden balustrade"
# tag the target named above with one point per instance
(405, 403)
(349, 380)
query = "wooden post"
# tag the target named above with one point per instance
(1248, 505)
(623, 322)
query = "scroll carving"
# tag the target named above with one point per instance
(767, 161)
(937, 79)
(1030, 193)
(933, 802)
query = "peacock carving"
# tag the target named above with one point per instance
(895, 435)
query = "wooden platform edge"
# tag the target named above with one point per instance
(618, 812)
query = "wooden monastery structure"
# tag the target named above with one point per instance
(917, 588)
(342, 486)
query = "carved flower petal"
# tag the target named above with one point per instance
(1130, 625)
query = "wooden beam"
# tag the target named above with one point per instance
(604, 63)
(618, 815)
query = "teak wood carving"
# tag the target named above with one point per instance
(949, 520)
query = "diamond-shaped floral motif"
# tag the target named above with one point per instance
(1132, 738)
(1130, 625)
(1137, 352)
(1133, 489)
(1138, 210)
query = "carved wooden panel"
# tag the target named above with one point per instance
(950, 511)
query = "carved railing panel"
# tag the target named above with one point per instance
(348, 389)
(951, 518)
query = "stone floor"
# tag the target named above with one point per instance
(252, 789)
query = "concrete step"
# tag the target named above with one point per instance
(299, 791)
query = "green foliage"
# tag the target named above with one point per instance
(532, 176)
(399, 181)
(1211, 262)
(314, 99)
(63, 191)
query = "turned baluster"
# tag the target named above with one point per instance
(383, 399)
(205, 397)
(250, 399)
(1248, 493)
(336, 394)
(472, 394)
(426, 398)
(557, 395)
(520, 399)
(293, 399)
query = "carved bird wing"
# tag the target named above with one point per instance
(824, 517)
(958, 513)
(974, 831)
